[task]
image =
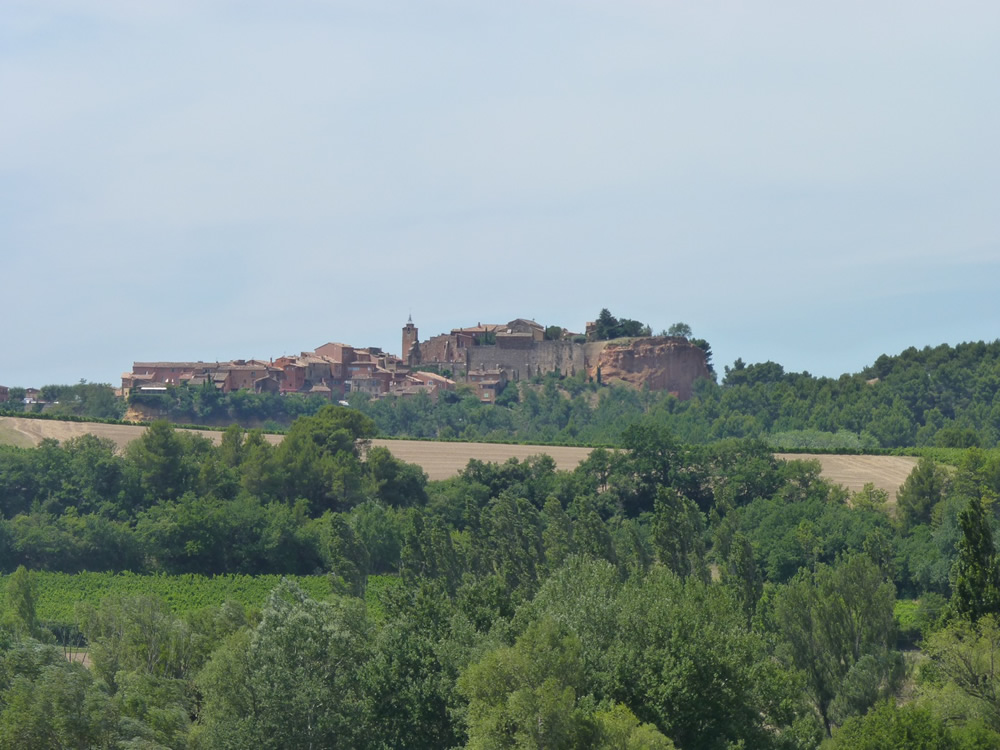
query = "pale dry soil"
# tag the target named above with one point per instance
(443, 460)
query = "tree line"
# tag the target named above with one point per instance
(936, 397)
(943, 396)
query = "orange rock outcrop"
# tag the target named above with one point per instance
(662, 364)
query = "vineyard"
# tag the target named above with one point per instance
(59, 593)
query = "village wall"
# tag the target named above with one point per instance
(539, 357)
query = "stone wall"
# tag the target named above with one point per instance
(445, 349)
(544, 356)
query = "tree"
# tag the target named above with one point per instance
(513, 537)
(320, 457)
(557, 536)
(410, 682)
(138, 634)
(838, 625)
(377, 528)
(346, 555)
(294, 681)
(159, 457)
(967, 656)
(923, 489)
(619, 729)
(630, 328)
(394, 482)
(525, 696)
(707, 348)
(741, 573)
(62, 707)
(153, 711)
(655, 459)
(891, 726)
(681, 657)
(606, 326)
(592, 538)
(22, 593)
(682, 330)
(977, 575)
(678, 529)
(870, 497)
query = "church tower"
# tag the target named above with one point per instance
(409, 339)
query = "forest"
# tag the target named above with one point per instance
(668, 594)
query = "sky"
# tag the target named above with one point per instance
(814, 184)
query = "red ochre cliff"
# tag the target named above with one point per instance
(660, 363)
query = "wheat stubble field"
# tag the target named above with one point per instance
(443, 460)
(885, 472)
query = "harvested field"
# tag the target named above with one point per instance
(10, 436)
(440, 460)
(885, 472)
(35, 430)
(443, 460)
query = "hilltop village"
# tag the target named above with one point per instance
(485, 357)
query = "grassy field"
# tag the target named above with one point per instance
(9, 435)
(445, 459)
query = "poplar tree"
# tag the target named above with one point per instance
(977, 579)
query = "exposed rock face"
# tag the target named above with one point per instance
(661, 363)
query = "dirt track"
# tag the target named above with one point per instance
(443, 460)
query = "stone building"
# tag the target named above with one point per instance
(409, 339)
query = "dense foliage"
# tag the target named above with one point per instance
(666, 595)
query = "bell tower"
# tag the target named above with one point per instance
(409, 339)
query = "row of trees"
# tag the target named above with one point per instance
(91, 400)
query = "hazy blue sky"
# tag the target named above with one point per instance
(814, 184)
